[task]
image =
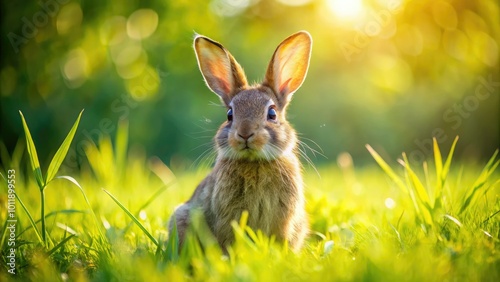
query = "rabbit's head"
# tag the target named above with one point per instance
(256, 126)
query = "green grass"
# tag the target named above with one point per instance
(387, 222)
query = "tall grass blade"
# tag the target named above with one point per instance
(153, 239)
(438, 162)
(385, 167)
(30, 218)
(60, 244)
(447, 164)
(148, 202)
(42, 216)
(61, 152)
(417, 184)
(66, 228)
(72, 180)
(413, 197)
(35, 164)
(240, 231)
(442, 171)
(421, 192)
(172, 251)
(481, 181)
(4, 233)
(491, 216)
(153, 197)
(454, 220)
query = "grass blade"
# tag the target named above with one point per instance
(60, 244)
(148, 202)
(491, 216)
(417, 184)
(447, 164)
(424, 202)
(61, 152)
(72, 180)
(35, 164)
(4, 233)
(480, 181)
(32, 222)
(385, 167)
(453, 219)
(153, 239)
(438, 162)
(441, 171)
(172, 252)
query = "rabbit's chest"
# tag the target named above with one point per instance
(264, 194)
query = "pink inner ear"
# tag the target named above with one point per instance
(219, 76)
(283, 87)
(222, 85)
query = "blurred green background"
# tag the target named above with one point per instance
(390, 73)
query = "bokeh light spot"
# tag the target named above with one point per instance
(345, 8)
(113, 31)
(75, 68)
(143, 215)
(445, 15)
(8, 80)
(229, 8)
(133, 68)
(145, 85)
(142, 23)
(69, 18)
(485, 48)
(410, 40)
(473, 23)
(344, 160)
(391, 73)
(456, 44)
(390, 203)
(294, 2)
(128, 54)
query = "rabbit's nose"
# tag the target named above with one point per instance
(245, 137)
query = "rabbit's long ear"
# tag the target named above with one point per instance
(288, 66)
(223, 75)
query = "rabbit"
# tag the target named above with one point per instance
(257, 168)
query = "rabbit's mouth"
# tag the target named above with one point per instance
(251, 152)
(248, 153)
(245, 150)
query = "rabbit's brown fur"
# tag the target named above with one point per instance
(257, 168)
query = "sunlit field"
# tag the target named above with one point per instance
(400, 222)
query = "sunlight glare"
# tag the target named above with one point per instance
(143, 215)
(390, 203)
(345, 8)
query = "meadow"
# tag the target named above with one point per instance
(386, 221)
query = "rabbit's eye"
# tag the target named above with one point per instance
(271, 113)
(230, 114)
